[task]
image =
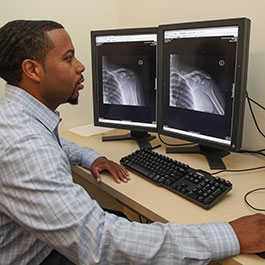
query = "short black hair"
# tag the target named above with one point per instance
(20, 40)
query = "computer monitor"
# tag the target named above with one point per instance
(202, 85)
(124, 82)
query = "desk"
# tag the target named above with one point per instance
(158, 204)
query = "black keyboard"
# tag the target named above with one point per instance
(195, 185)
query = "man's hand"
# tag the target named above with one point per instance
(250, 231)
(118, 172)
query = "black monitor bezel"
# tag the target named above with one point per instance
(240, 85)
(126, 31)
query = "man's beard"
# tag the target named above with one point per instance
(73, 101)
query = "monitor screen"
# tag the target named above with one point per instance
(124, 79)
(202, 82)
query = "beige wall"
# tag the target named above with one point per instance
(81, 16)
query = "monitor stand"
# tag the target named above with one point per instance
(214, 156)
(142, 138)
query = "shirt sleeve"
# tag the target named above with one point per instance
(40, 196)
(222, 239)
(83, 156)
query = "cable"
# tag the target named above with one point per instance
(256, 103)
(238, 170)
(159, 136)
(258, 152)
(252, 112)
(246, 195)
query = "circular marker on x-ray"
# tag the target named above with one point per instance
(221, 62)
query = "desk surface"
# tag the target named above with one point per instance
(158, 204)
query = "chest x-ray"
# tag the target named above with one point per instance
(121, 84)
(194, 89)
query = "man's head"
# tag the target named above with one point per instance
(20, 40)
(38, 56)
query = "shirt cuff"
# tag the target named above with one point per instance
(223, 240)
(87, 159)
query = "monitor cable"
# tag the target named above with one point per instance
(237, 170)
(258, 152)
(249, 100)
(247, 202)
(165, 143)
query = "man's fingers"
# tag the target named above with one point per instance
(118, 172)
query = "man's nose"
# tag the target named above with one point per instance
(80, 67)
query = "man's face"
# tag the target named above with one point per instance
(62, 75)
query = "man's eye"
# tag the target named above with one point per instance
(69, 58)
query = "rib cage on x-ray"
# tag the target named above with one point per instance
(193, 89)
(121, 85)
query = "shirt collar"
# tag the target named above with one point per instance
(33, 107)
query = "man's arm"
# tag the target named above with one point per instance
(83, 156)
(87, 157)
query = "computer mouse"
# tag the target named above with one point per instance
(261, 254)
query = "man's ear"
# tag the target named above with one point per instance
(32, 69)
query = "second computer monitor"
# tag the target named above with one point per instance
(202, 84)
(124, 81)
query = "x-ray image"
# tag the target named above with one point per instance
(194, 89)
(121, 84)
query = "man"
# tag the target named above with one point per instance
(44, 216)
